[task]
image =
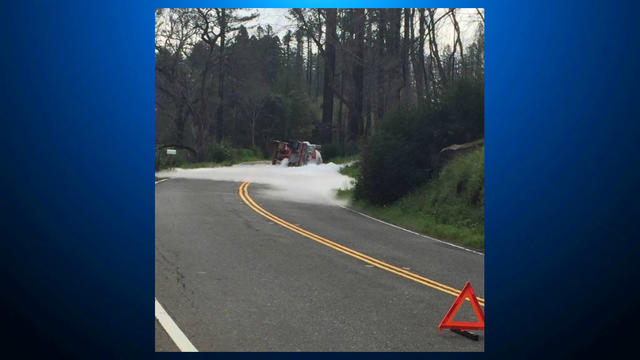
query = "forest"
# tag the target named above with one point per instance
(393, 85)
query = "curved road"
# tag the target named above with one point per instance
(286, 276)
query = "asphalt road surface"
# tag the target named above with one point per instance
(234, 280)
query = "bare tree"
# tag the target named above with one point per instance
(433, 45)
(173, 32)
(480, 13)
(329, 71)
(419, 70)
(205, 22)
(405, 89)
(363, 62)
(381, 96)
(458, 41)
(355, 112)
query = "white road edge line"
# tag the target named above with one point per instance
(412, 232)
(170, 326)
(172, 329)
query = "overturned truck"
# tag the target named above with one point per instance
(296, 153)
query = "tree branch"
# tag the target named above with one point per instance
(298, 13)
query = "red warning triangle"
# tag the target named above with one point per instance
(448, 323)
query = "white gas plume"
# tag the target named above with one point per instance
(308, 184)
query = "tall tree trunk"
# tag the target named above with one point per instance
(319, 59)
(433, 46)
(287, 51)
(380, 102)
(340, 127)
(179, 122)
(329, 70)
(419, 58)
(394, 46)
(340, 138)
(452, 57)
(366, 125)
(456, 27)
(369, 88)
(318, 75)
(404, 51)
(202, 114)
(300, 73)
(254, 117)
(220, 112)
(430, 77)
(355, 113)
(451, 60)
(309, 65)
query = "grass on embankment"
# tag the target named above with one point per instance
(449, 207)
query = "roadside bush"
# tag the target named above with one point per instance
(242, 155)
(239, 154)
(397, 158)
(404, 151)
(332, 150)
(260, 152)
(463, 104)
(218, 152)
(336, 150)
(449, 206)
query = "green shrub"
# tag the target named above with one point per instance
(401, 155)
(218, 152)
(456, 195)
(216, 155)
(331, 151)
(450, 206)
(242, 155)
(350, 170)
(259, 152)
(404, 151)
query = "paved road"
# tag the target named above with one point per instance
(232, 280)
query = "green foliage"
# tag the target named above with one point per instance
(404, 152)
(341, 159)
(351, 170)
(463, 108)
(455, 196)
(244, 155)
(218, 152)
(287, 112)
(271, 89)
(449, 207)
(332, 151)
(346, 194)
(298, 119)
(224, 153)
(217, 155)
(399, 156)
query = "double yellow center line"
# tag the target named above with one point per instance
(244, 195)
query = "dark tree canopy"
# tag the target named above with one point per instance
(333, 77)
